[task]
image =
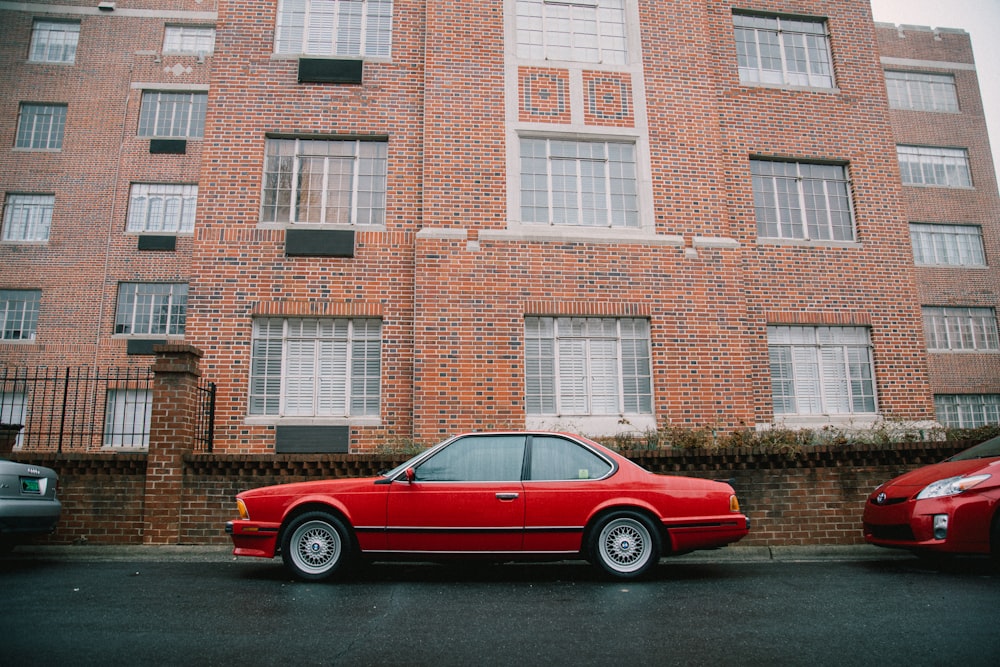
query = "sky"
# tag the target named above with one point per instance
(979, 18)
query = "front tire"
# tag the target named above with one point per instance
(315, 546)
(625, 545)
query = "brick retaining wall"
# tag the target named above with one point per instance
(806, 498)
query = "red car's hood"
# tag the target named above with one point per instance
(316, 486)
(921, 477)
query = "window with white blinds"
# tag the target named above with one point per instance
(967, 410)
(589, 31)
(955, 329)
(312, 367)
(587, 366)
(28, 218)
(334, 28)
(162, 207)
(821, 370)
(947, 245)
(939, 167)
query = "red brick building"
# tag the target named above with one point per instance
(385, 221)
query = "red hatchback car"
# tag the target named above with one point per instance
(508, 495)
(952, 507)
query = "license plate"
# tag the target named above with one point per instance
(30, 485)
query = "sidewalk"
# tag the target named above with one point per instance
(221, 553)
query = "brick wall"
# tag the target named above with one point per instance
(812, 498)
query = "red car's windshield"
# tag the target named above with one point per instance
(983, 450)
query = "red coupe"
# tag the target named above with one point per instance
(952, 507)
(509, 495)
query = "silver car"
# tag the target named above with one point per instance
(28, 502)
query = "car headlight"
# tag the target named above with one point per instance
(242, 508)
(950, 486)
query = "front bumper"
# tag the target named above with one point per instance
(251, 538)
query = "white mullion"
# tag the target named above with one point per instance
(294, 196)
(348, 384)
(363, 36)
(619, 361)
(282, 383)
(549, 191)
(325, 189)
(352, 210)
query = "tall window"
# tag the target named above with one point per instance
(942, 167)
(821, 370)
(797, 200)
(189, 39)
(919, 91)
(324, 182)
(334, 27)
(587, 366)
(948, 245)
(151, 309)
(967, 410)
(586, 183)
(127, 416)
(40, 126)
(783, 51)
(27, 218)
(19, 313)
(952, 329)
(589, 31)
(162, 207)
(316, 367)
(54, 42)
(178, 115)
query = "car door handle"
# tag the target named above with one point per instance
(507, 496)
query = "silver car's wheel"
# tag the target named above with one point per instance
(625, 545)
(315, 546)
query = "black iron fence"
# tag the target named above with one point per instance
(85, 409)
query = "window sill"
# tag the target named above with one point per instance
(807, 243)
(592, 425)
(824, 90)
(270, 420)
(576, 234)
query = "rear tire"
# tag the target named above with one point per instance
(624, 545)
(316, 546)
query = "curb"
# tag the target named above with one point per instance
(223, 553)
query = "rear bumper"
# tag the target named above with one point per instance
(28, 516)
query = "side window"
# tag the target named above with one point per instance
(494, 458)
(559, 459)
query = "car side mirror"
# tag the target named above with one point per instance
(411, 475)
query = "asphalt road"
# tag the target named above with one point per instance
(203, 607)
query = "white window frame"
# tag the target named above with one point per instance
(304, 29)
(571, 183)
(821, 371)
(190, 39)
(791, 40)
(967, 410)
(54, 41)
(169, 114)
(40, 126)
(308, 368)
(19, 310)
(127, 417)
(14, 407)
(162, 208)
(961, 329)
(351, 177)
(27, 218)
(151, 309)
(585, 31)
(921, 91)
(934, 166)
(588, 372)
(947, 245)
(802, 201)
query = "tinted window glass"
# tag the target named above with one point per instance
(496, 458)
(556, 459)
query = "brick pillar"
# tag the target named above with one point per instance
(171, 435)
